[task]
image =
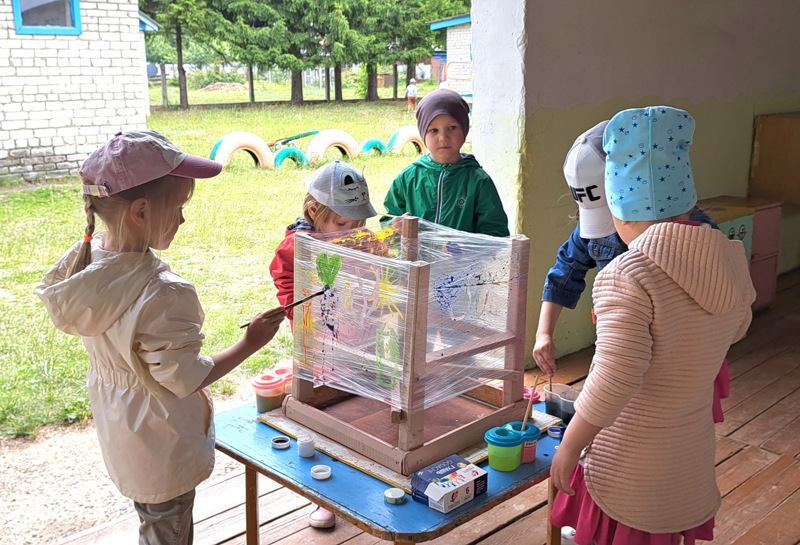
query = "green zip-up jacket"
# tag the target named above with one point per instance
(461, 196)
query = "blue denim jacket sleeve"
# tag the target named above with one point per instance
(565, 281)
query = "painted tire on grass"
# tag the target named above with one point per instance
(409, 134)
(370, 144)
(234, 141)
(331, 138)
(292, 154)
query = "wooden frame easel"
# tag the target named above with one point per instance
(411, 453)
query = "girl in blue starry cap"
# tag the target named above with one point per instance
(667, 312)
(593, 243)
(648, 175)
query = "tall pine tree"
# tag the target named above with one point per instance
(253, 32)
(413, 39)
(178, 18)
(340, 44)
(372, 20)
(305, 31)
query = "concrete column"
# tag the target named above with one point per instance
(499, 41)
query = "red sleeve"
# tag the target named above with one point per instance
(282, 271)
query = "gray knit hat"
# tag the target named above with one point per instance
(442, 102)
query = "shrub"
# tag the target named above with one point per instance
(198, 79)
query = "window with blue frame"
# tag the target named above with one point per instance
(47, 16)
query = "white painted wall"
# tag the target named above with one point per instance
(61, 96)
(459, 50)
(722, 49)
(545, 71)
(499, 96)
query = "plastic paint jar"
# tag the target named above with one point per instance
(559, 400)
(286, 374)
(305, 445)
(529, 439)
(505, 448)
(552, 398)
(269, 391)
(568, 404)
(287, 388)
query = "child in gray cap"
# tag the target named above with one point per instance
(337, 200)
(446, 186)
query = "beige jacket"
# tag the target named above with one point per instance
(667, 312)
(141, 324)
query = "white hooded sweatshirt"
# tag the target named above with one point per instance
(141, 324)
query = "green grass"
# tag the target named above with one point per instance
(234, 222)
(268, 92)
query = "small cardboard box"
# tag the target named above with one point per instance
(448, 483)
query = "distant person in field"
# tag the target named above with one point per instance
(411, 96)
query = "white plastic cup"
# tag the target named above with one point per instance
(305, 445)
(559, 401)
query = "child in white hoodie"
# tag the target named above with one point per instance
(141, 324)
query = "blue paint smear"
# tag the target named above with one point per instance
(447, 290)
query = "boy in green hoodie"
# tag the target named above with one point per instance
(446, 186)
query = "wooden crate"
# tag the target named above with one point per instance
(412, 434)
(759, 223)
(775, 164)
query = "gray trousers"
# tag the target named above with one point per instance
(168, 523)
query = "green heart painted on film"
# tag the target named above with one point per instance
(328, 267)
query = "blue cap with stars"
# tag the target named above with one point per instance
(648, 175)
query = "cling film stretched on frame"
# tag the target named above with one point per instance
(353, 338)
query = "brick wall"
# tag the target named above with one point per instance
(61, 96)
(459, 52)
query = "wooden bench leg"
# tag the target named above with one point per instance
(251, 505)
(553, 532)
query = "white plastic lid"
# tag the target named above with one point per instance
(321, 472)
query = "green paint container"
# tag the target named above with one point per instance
(505, 448)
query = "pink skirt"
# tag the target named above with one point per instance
(722, 389)
(593, 526)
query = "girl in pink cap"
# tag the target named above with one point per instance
(141, 324)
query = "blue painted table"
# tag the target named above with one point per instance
(354, 495)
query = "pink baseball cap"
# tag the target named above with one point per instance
(134, 158)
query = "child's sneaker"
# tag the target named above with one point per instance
(321, 518)
(567, 535)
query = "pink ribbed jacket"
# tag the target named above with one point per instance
(667, 312)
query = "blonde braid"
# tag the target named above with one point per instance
(84, 256)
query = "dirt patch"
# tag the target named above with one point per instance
(56, 485)
(225, 87)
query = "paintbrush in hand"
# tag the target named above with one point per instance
(292, 305)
